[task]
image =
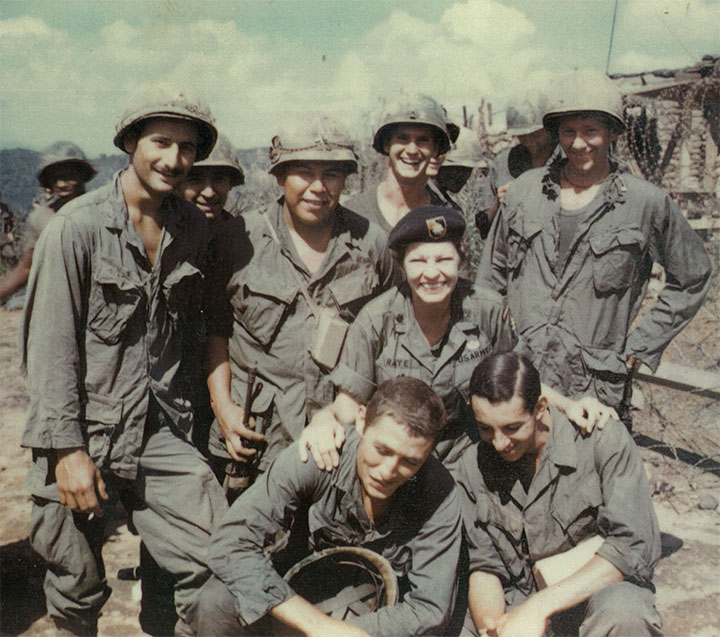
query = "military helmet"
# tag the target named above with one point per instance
(413, 109)
(345, 581)
(223, 156)
(165, 102)
(583, 91)
(452, 128)
(524, 114)
(65, 153)
(466, 151)
(318, 138)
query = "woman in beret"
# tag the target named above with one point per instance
(436, 326)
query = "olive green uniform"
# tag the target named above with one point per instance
(256, 303)
(574, 314)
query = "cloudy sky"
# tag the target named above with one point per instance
(66, 67)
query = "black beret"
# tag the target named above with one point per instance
(427, 224)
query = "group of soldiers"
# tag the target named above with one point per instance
(260, 388)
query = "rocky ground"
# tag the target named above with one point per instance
(679, 438)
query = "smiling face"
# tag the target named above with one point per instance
(586, 140)
(162, 154)
(66, 180)
(431, 270)
(207, 187)
(312, 191)
(410, 147)
(388, 456)
(509, 427)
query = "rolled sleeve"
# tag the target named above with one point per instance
(355, 373)
(626, 517)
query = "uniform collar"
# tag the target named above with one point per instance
(613, 192)
(560, 446)
(175, 214)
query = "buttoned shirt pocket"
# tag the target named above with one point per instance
(521, 233)
(103, 414)
(576, 512)
(617, 255)
(260, 303)
(352, 290)
(114, 298)
(182, 290)
(504, 526)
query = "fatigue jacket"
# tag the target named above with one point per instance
(386, 341)
(584, 486)
(255, 301)
(574, 316)
(103, 329)
(421, 538)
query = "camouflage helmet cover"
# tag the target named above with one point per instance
(175, 104)
(466, 151)
(413, 109)
(319, 139)
(582, 91)
(223, 156)
(65, 153)
(525, 112)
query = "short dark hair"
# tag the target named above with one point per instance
(500, 377)
(410, 402)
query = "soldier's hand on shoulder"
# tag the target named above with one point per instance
(588, 412)
(323, 436)
(79, 481)
(237, 432)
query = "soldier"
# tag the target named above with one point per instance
(573, 247)
(458, 165)
(210, 181)
(63, 173)
(285, 282)
(537, 147)
(112, 301)
(411, 134)
(387, 495)
(535, 488)
(7, 238)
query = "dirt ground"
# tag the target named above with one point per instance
(678, 435)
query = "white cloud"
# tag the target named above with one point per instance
(665, 33)
(54, 86)
(18, 30)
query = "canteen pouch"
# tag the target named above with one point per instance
(328, 339)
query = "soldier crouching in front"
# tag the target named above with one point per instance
(114, 293)
(533, 489)
(387, 495)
